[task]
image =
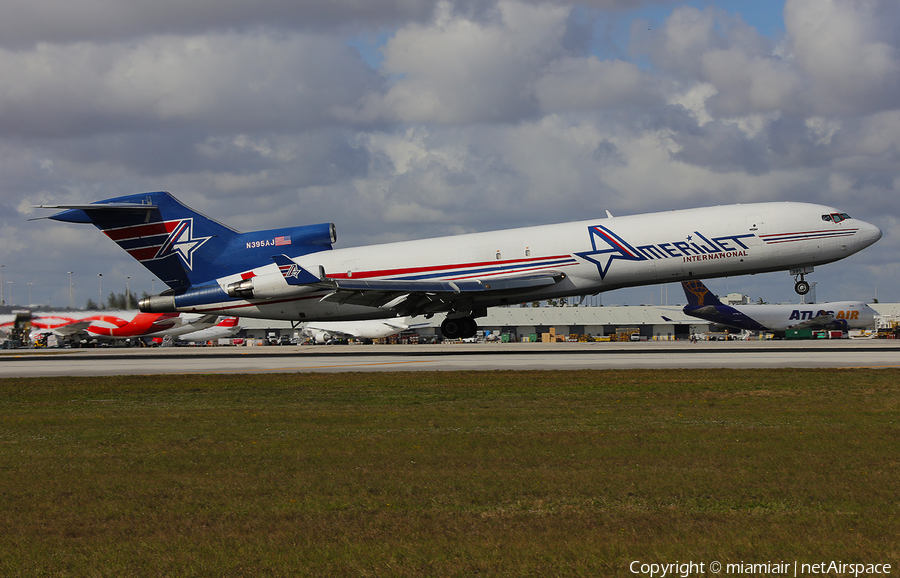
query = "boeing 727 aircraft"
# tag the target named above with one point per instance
(842, 315)
(294, 274)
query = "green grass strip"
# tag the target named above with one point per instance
(496, 473)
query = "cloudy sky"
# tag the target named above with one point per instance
(401, 119)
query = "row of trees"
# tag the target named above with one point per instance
(115, 301)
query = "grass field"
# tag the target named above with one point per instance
(567, 473)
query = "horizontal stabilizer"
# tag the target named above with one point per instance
(103, 206)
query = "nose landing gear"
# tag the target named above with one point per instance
(801, 285)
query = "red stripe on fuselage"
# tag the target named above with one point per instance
(433, 268)
(517, 271)
(818, 232)
(774, 238)
(610, 239)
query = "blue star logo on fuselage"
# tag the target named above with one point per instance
(608, 246)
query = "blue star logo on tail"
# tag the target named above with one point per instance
(182, 242)
(607, 246)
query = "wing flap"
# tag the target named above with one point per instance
(408, 297)
(455, 287)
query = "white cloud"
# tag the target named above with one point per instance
(218, 82)
(486, 114)
(461, 70)
(578, 83)
(848, 50)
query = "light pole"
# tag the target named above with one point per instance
(127, 293)
(100, 291)
(1, 285)
(71, 298)
(9, 292)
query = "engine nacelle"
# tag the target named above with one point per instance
(157, 304)
(269, 286)
(322, 337)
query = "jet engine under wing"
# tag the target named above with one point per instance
(411, 298)
(824, 320)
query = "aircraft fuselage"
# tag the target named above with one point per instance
(593, 256)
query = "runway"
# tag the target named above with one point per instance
(451, 357)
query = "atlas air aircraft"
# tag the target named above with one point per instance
(295, 274)
(839, 315)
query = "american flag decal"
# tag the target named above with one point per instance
(285, 240)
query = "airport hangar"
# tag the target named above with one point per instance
(659, 322)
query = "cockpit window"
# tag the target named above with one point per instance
(836, 217)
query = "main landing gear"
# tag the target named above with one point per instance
(801, 285)
(459, 327)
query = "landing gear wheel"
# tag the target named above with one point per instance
(471, 329)
(801, 287)
(459, 328)
(452, 328)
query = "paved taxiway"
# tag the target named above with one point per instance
(449, 357)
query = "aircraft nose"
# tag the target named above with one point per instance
(868, 234)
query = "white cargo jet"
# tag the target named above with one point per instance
(293, 273)
(838, 315)
(225, 328)
(325, 331)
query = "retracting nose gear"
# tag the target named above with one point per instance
(801, 285)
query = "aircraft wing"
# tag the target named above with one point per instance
(411, 297)
(825, 321)
(79, 327)
(314, 331)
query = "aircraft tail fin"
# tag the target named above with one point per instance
(698, 295)
(183, 247)
(177, 244)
